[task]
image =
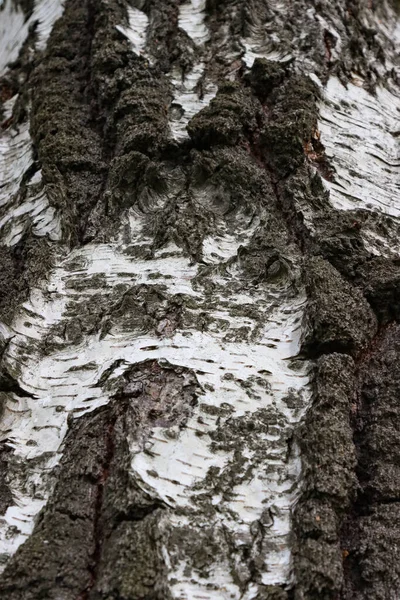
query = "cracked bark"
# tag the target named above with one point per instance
(199, 283)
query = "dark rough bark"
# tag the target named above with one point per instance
(99, 534)
(100, 122)
(373, 568)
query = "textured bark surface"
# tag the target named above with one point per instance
(199, 285)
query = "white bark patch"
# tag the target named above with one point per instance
(46, 12)
(359, 131)
(14, 29)
(63, 381)
(13, 32)
(15, 159)
(8, 107)
(190, 94)
(17, 212)
(30, 427)
(242, 363)
(192, 21)
(136, 32)
(262, 39)
(228, 474)
(255, 47)
(260, 45)
(188, 99)
(192, 91)
(232, 373)
(383, 245)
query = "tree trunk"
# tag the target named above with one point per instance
(199, 300)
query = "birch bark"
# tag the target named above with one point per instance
(199, 285)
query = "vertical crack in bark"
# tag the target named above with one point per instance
(98, 509)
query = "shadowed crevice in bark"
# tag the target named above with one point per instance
(6, 498)
(26, 5)
(99, 498)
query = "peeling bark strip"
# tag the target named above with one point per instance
(198, 295)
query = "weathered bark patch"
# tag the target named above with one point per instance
(94, 497)
(340, 318)
(180, 310)
(370, 534)
(326, 441)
